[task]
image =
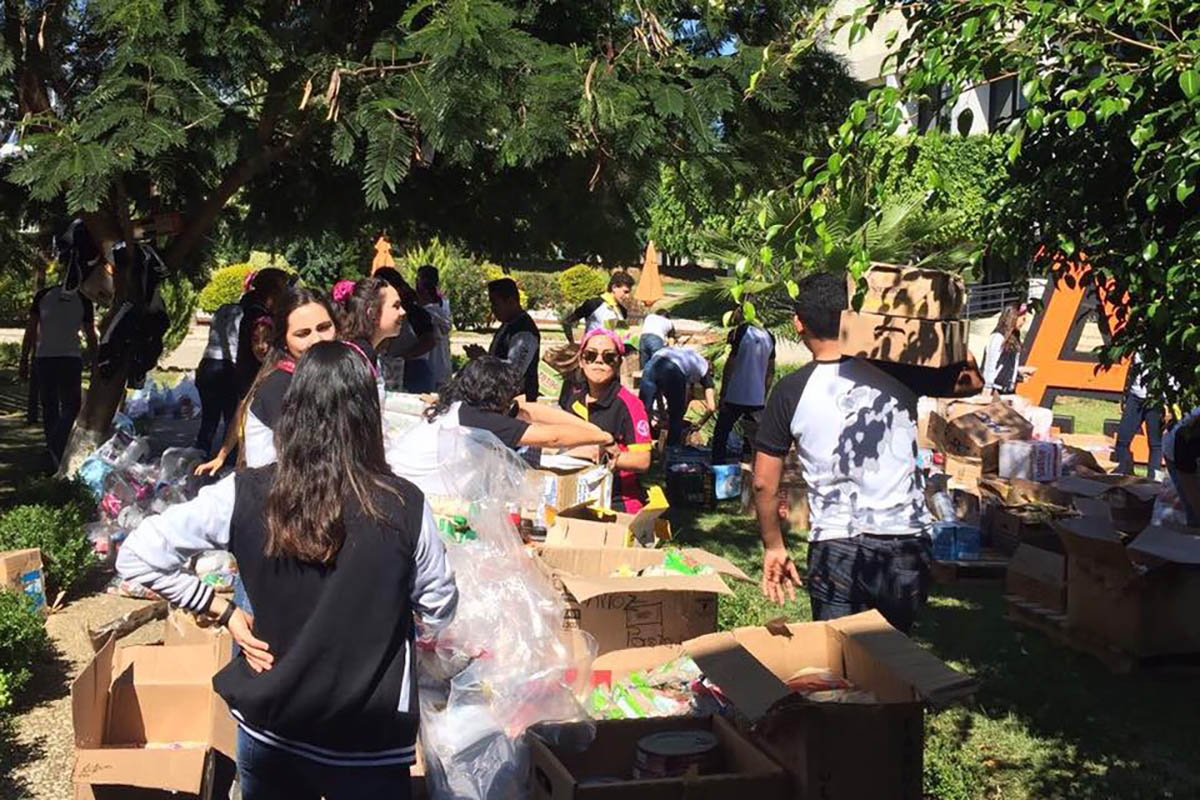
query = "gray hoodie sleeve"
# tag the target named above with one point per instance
(434, 592)
(156, 552)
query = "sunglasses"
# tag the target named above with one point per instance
(609, 357)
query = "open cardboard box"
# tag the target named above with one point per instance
(1130, 499)
(562, 774)
(911, 292)
(638, 611)
(21, 571)
(977, 433)
(587, 526)
(147, 717)
(1141, 597)
(1039, 575)
(562, 489)
(830, 750)
(902, 340)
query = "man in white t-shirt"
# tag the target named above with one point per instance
(855, 432)
(670, 375)
(56, 319)
(749, 371)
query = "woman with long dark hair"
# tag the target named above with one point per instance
(369, 311)
(1003, 354)
(406, 354)
(302, 318)
(345, 567)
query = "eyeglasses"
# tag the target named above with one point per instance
(609, 357)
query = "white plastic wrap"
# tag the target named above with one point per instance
(504, 663)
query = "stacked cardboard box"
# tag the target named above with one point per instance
(908, 316)
(827, 749)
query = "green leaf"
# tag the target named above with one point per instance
(736, 292)
(793, 289)
(773, 231)
(858, 113)
(808, 162)
(749, 312)
(1124, 82)
(1034, 118)
(1184, 190)
(762, 217)
(765, 255)
(1076, 119)
(835, 163)
(1150, 251)
(1189, 81)
(1066, 245)
(1151, 202)
(970, 27)
(740, 266)
(817, 211)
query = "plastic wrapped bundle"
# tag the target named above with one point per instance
(505, 663)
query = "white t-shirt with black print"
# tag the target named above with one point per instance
(855, 431)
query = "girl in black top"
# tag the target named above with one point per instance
(303, 318)
(369, 313)
(346, 569)
(264, 289)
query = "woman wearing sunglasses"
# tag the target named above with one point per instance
(596, 395)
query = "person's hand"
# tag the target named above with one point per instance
(211, 467)
(613, 452)
(256, 652)
(780, 577)
(474, 351)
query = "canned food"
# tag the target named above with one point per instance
(675, 753)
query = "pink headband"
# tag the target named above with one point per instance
(359, 350)
(607, 334)
(342, 290)
(249, 281)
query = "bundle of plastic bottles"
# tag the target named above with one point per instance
(505, 663)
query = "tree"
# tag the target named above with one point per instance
(131, 107)
(1104, 158)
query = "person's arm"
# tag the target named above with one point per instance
(780, 577)
(991, 361)
(710, 400)
(422, 327)
(540, 434)
(521, 352)
(585, 309)
(232, 434)
(540, 413)
(29, 341)
(434, 592)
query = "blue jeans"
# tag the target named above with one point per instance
(1135, 412)
(664, 378)
(648, 345)
(889, 574)
(266, 773)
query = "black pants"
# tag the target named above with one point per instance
(729, 415)
(216, 381)
(890, 574)
(60, 381)
(34, 396)
(1135, 412)
(666, 379)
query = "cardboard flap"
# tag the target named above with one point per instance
(744, 679)
(1093, 539)
(1146, 491)
(174, 770)
(933, 680)
(1166, 545)
(584, 589)
(1084, 487)
(177, 664)
(1039, 564)
(89, 697)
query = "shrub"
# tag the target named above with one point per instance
(23, 640)
(581, 283)
(58, 533)
(10, 355)
(57, 493)
(541, 289)
(464, 281)
(495, 272)
(224, 286)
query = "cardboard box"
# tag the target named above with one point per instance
(909, 292)
(183, 629)
(587, 526)
(964, 473)
(1039, 576)
(564, 774)
(21, 571)
(129, 703)
(1141, 598)
(972, 433)
(919, 342)
(830, 750)
(1020, 511)
(1031, 461)
(562, 489)
(1130, 499)
(637, 611)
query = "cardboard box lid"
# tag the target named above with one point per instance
(726, 658)
(1095, 540)
(892, 288)
(15, 563)
(1041, 565)
(586, 571)
(1166, 545)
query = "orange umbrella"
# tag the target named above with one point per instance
(383, 255)
(649, 289)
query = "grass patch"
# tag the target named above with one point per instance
(1089, 414)
(1047, 722)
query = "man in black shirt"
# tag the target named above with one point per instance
(518, 342)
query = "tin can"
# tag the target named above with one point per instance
(675, 753)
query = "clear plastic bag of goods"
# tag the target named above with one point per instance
(187, 398)
(177, 467)
(100, 535)
(216, 568)
(137, 402)
(505, 663)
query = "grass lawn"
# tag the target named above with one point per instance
(1089, 414)
(1046, 723)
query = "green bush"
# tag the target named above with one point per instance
(464, 281)
(181, 301)
(58, 533)
(225, 286)
(10, 355)
(541, 289)
(57, 493)
(581, 283)
(23, 640)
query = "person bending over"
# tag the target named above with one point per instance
(347, 572)
(608, 311)
(670, 375)
(855, 432)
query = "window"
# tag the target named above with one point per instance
(1005, 101)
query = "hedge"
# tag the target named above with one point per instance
(58, 532)
(23, 641)
(224, 286)
(581, 283)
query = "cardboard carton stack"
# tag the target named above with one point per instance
(908, 316)
(866, 749)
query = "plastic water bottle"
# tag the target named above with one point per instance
(943, 507)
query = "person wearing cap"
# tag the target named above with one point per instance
(597, 396)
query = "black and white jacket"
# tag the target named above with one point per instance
(342, 690)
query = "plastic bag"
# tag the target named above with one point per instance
(216, 568)
(187, 398)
